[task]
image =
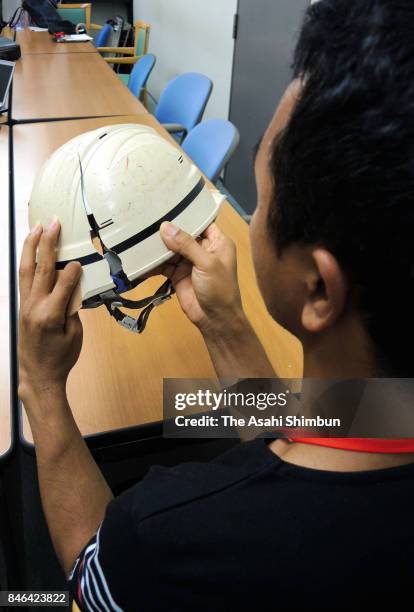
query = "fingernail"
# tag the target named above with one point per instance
(169, 229)
(53, 224)
(36, 228)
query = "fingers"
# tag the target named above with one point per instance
(180, 242)
(216, 242)
(73, 326)
(28, 262)
(65, 286)
(219, 245)
(44, 277)
(178, 272)
(213, 233)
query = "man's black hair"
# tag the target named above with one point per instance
(344, 165)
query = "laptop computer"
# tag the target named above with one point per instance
(6, 75)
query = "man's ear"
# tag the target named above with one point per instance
(327, 291)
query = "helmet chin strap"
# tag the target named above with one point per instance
(113, 301)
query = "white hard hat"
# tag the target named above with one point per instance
(118, 184)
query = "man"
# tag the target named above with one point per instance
(290, 524)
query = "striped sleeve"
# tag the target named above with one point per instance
(89, 587)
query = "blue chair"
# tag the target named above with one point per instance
(140, 74)
(211, 145)
(183, 102)
(103, 36)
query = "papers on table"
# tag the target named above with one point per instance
(77, 38)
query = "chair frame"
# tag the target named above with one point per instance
(88, 12)
(128, 51)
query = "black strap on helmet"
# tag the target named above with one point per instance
(113, 301)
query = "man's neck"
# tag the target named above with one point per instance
(342, 352)
(336, 460)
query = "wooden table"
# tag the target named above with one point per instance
(32, 43)
(117, 382)
(65, 85)
(5, 413)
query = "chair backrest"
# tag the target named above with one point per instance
(211, 144)
(184, 100)
(103, 36)
(141, 37)
(140, 74)
(76, 13)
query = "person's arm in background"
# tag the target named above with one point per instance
(208, 291)
(73, 491)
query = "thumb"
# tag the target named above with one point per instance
(180, 242)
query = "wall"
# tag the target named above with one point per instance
(9, 6)
(192, 36)
(262, 70)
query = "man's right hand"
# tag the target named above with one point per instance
(49, 340)
(204, 277)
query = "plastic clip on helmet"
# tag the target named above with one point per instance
(111, 189)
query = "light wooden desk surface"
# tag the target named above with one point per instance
(117, 382)
(50, 86)
(42, 42)
(5, 432)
